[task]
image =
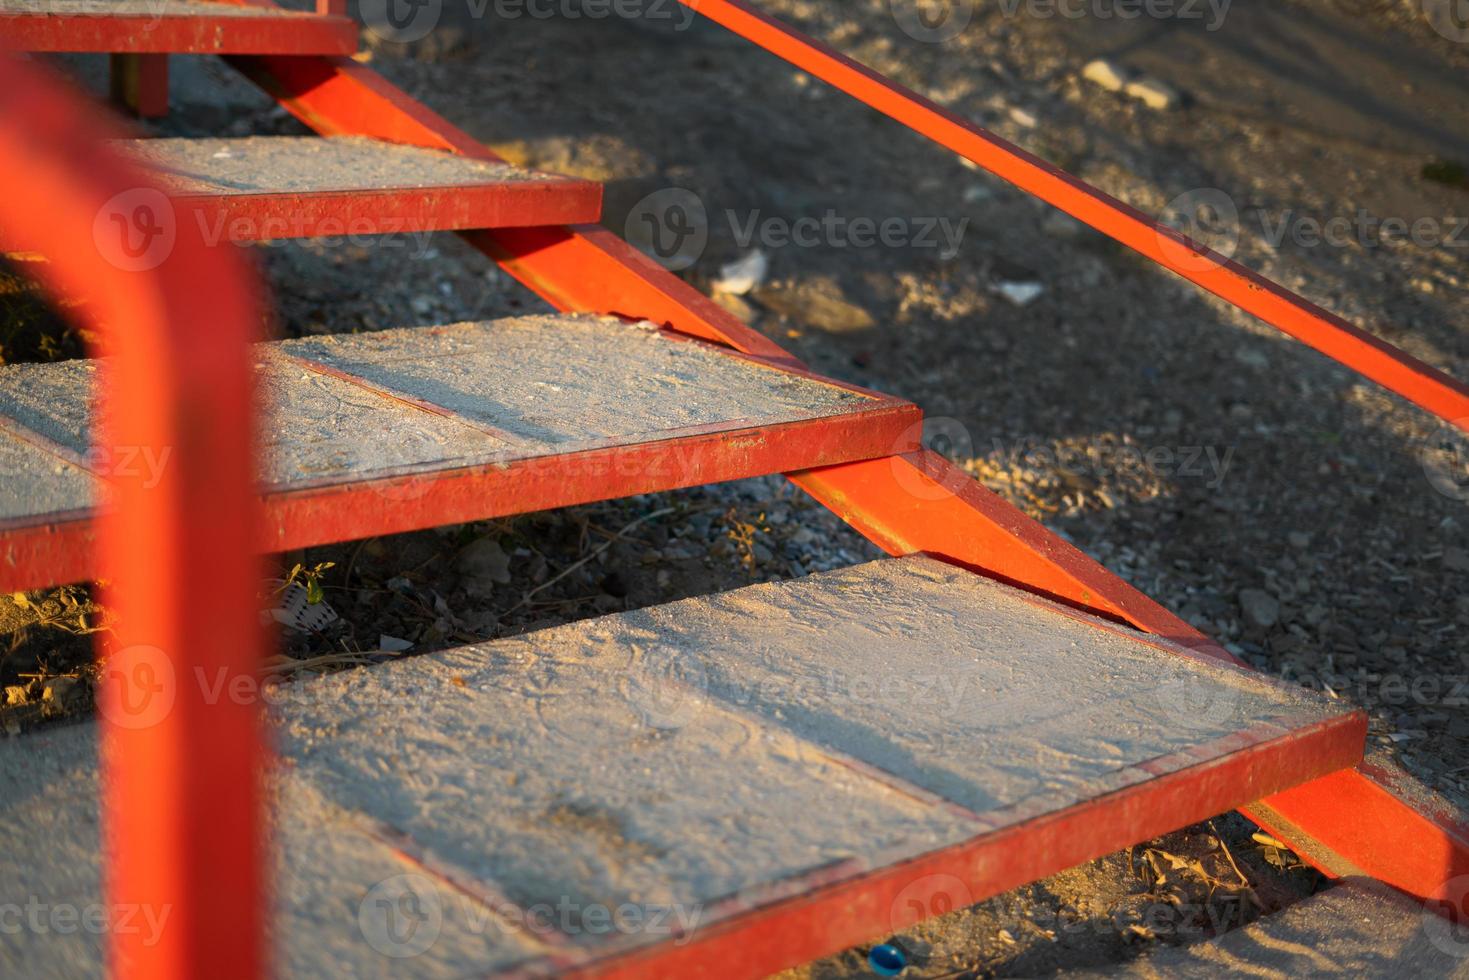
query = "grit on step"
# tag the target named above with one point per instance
(170, 26)
(1356, 928)
(328, 863)
(841, 751)
(259, 188)
(375, 433)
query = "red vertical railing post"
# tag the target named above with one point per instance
(182, 755)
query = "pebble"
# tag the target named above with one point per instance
(1108, 74)
(484, 565)
(1154, 94)
(1020, 294)
(1260, 607)
(1456, 560)
(743, 274)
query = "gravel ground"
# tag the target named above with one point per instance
(1313, 524)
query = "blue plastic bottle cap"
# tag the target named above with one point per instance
(886, 960)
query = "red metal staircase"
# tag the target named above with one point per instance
(757, 755)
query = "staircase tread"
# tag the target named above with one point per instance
(393, 410)
(146, 8)
(719, 754)
(259, 188)
(306, 164)
(172, 27)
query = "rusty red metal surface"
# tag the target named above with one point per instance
(181, 799)
(143, 32)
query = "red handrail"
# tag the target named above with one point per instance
(182, 754)
(1376, 359)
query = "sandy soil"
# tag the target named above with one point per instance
(1315, 525)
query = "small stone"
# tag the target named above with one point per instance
(743, 274)
(1260, 607)
(1020, 294)
(1456, 560)
(1108, 74)
(1023, 118)
(484, 565)
(735, 306)
(1154, 94)
(817, 303)
(393, 644)
(59, 689)
(1299, 539)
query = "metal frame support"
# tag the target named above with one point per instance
(908, 503)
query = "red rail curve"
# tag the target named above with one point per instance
(181, 766)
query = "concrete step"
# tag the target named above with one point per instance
(170, 27)
(275, 187)
(376, 433)
(719, 787)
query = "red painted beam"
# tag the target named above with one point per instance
(1425, 386)
(181, 775)
(56, 550)
(511, 204)
(143, 32)
(391, 211)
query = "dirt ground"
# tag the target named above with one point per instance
(1316, 526)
